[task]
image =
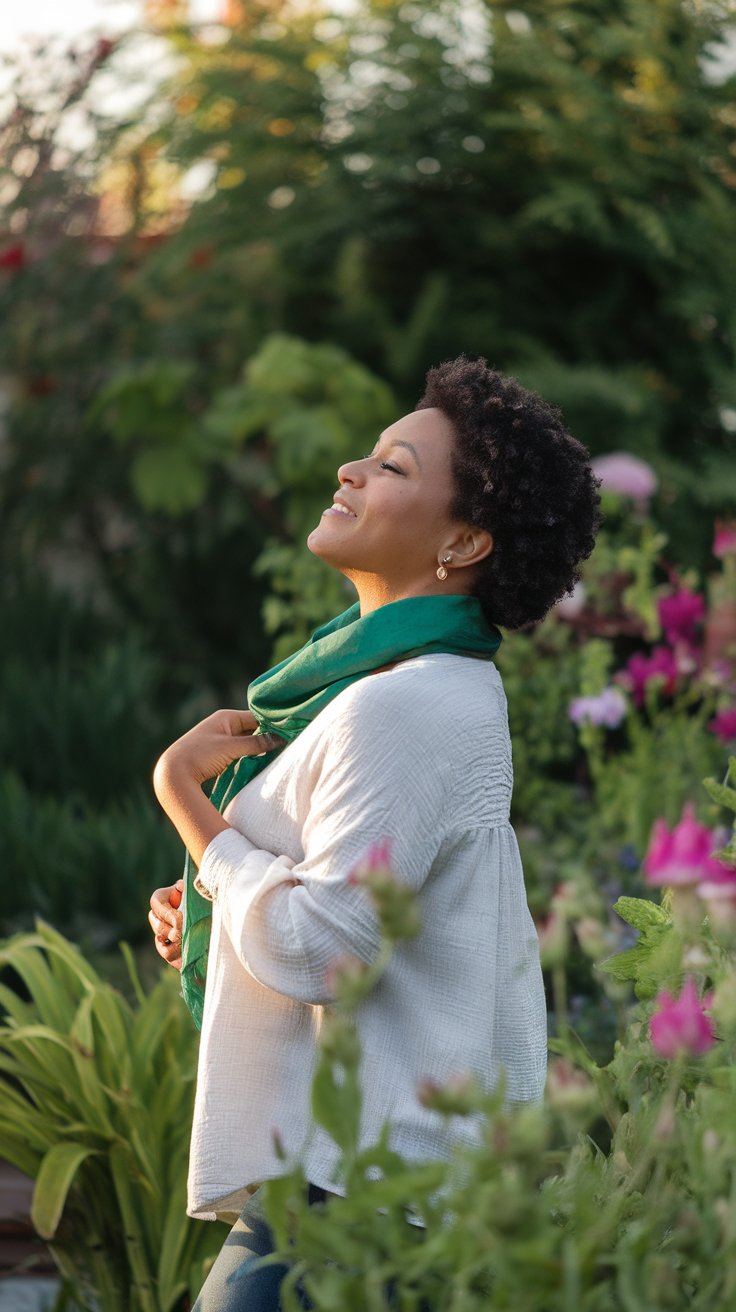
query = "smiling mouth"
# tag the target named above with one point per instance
(338, 509)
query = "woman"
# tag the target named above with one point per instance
(475, 509)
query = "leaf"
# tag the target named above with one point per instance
(641, 913)
(133, 975)
(55, 1177)
(168, 478)
(720, 793)
(171, 1282)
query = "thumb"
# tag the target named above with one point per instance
(258, 744)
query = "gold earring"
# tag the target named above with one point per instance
(442, 572)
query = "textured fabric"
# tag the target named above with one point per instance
(419, 754)
(238, 1282)
(289, 697)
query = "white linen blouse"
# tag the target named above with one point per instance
(419, 754)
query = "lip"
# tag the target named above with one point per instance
(339, 500)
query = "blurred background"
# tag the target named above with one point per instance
(233, 237)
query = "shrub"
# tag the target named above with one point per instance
(616, 1194)
(96, 1104)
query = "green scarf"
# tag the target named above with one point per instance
(287, 698)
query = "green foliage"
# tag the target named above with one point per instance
(83, 718)
(415, 184)
(96, 1103)
(655, 958)
(540, 1214)
(310, 410)
(661, 770)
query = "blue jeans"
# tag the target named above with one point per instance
(233, 1285)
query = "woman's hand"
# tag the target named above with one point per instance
(165, 921)
(203, 752)
(207, 749)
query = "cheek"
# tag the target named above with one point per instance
(409, 512)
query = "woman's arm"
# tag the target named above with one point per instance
(201, 754)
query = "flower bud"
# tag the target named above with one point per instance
(570, 1091)
(458, 1097)
(338, 1040)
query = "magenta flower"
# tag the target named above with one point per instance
(679, 615)
(626, 474)
(378, 857)
(724, 542)
(640, 670)
(683, 856)
(681, 1026)
(724, 724)
(608, 708)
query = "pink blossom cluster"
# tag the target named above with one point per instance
(608, 708)
(626, 474)
(679, 615)
(640, 670)
(724, 542)
(724, 725)
(682, 1025)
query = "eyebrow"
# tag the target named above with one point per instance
(410, 447)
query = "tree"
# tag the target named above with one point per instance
(552, 188)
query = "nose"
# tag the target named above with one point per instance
(353, 473)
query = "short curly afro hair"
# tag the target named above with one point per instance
(520, 475)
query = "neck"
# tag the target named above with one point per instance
(374, 590)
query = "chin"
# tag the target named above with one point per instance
(327, 548)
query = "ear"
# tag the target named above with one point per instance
(469, 547)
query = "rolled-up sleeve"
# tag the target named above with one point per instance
(290, 924)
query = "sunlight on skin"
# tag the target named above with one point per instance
(388, 530)
(398, 528)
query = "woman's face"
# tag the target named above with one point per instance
(390, 520)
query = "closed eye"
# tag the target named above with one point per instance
(386, 465)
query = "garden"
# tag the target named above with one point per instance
(206, 305)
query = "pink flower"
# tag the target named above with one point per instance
(608, 708)
(683, 856)
(679, 615)
(626, 474)
(570, 606)
(724, 724)
(681, 1026)
(378, 857)
(724, 542)
(640, 670)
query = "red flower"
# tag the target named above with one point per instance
(201, 257)
(14, 257)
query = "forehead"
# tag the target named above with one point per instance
(430, 431)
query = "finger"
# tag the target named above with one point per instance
(162, 895)
(165, 910)
(161, 928)
(167, 927)
(258, 744)
(171, 955)
(238, 722)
